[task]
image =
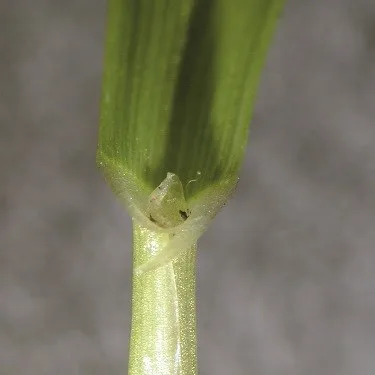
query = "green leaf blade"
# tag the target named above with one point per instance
(179, 88)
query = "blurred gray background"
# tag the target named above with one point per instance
(286, 280)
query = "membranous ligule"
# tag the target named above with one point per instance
(167, 206)
(181, 227)
(165, 211)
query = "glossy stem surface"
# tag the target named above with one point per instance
(163, 326)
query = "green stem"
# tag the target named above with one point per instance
(163, 330)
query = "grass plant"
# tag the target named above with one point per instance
(179, 86)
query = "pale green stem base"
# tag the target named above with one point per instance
(163, 328)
